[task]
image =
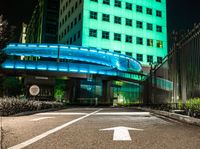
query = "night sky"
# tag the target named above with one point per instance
(182, 14)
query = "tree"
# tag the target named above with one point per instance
(6, 35)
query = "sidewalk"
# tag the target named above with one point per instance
(175, 116)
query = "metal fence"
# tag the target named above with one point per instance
(178, 77)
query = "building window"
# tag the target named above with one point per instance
(117, 37)
(139, 24)
(129, 39)
(116, 51)
(79, 34)
(118, 3)
(139, 40)
(107, 2)
(117, 20)
(158, 13)
(68, 28)
(68, 14)
(129, 54)
(105, 35)
(129, 6)
(94, 0)
(128, 22)
(93, 15)
(80, 1)
(71, 25)
(149, 58)
(93, 33)
(79, 17)
(75, 21)
(159, 44)
(138, 8)
(106, 17)
(74, 37)
(158, 1)
(71, 40)
(139, 57)
(150, 42)
(158, 28)
(159, 59)
(76, 5)
(149, 26)
(149, 11)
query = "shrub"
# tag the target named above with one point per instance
(10, 106)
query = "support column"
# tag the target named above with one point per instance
(106, 91)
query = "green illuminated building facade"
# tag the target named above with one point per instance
(137, 28)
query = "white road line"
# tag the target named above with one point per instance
(62, 113)
(39, 137)
(41, 118)
(125, 113)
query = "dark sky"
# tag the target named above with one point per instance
(182, 14)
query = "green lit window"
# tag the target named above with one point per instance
(94, 0)
(139, 57)
(139, 24)
(149, 26)
(117, 20)
(129, 6)
(129, 54)
(158, 1)
(128, 22)
(106, 17)
(149, 58)
(159, 59)
(107, 2)
(118, 3)
(138, 8)
(117, 37)
(93, 33)
(158, 13)
(93, 15)
(158, 28)
(150, 42)
(149, 11)
(139, 40)
(105, 35)
(129, 39)
(159, 44)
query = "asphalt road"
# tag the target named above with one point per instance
(82, 128)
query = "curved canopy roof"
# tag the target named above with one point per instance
(76, 53)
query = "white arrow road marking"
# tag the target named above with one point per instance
(41, 118)
(121, 133)
(39, 137)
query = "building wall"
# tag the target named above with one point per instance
(43, 25)
(131, 32)
(70, 22)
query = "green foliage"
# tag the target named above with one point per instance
(10, 106)
(193, 104)
(59, 92)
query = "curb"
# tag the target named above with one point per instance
(175, 116)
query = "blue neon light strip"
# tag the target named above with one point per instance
(95, 56)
